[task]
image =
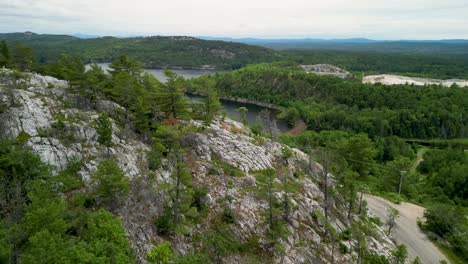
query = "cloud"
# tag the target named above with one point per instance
(380, 19)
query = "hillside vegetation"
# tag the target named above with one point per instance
(361, 130)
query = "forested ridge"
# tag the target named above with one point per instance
(157, 51)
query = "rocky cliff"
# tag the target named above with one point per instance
(33, 107)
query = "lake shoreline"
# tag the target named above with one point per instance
(244, 101)
(175, 67)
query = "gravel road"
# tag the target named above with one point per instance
(406, 230)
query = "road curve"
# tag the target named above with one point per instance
(406, 230)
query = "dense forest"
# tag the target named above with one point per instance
(429, 64)
(330, 103)
(161, 52)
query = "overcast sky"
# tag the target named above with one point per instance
(376, 19)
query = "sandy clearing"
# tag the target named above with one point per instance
(390, 79)
(406, 230)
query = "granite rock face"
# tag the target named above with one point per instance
(35, 109)
(326, 69)
(390, 79)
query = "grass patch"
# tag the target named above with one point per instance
(227, 168)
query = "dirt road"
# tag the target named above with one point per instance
(406, 231)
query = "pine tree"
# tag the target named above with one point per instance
(170, 96)
(112, 184)
(125, 64)
(104, 131)
(212, 105)
(4, 54)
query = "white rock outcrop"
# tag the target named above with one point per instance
(326, 69)
(390, 79)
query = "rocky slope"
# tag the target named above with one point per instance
(389, 79)
(32, 107)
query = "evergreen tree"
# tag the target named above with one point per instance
(179, 211)
(212, 105)
(125, 64)
(170, 96)
(94, 83)
(267, 187)
(4, 54)
(112, 184)
(104, 131)
(71, 68)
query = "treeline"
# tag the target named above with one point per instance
(163, 52)
(330, 103)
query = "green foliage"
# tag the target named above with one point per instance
(155, 155)
(170, 96)
(267, 186)
(227, 168)
(212, 104)
(160, 254)
(243, 112)
(42, 227)
(451, 223)
(106, 238)
(400, 254)
(330, 103)
(127, 65)
(446, 175)
(68, 67)
(195, 258)
(18, 166)
(22, 138)
(22, 56)
(104, 130)
(112, 184)
(4, 54)
(392, 215)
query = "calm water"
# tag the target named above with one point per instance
(229, 106)
(159, 73)
(254, 111)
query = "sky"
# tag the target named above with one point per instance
(375, 19)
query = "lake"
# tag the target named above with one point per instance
(228, 105)
(254, 110)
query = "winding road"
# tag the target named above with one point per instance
(406, 230)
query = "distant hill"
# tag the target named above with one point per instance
(446, 46)
(157, 51)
